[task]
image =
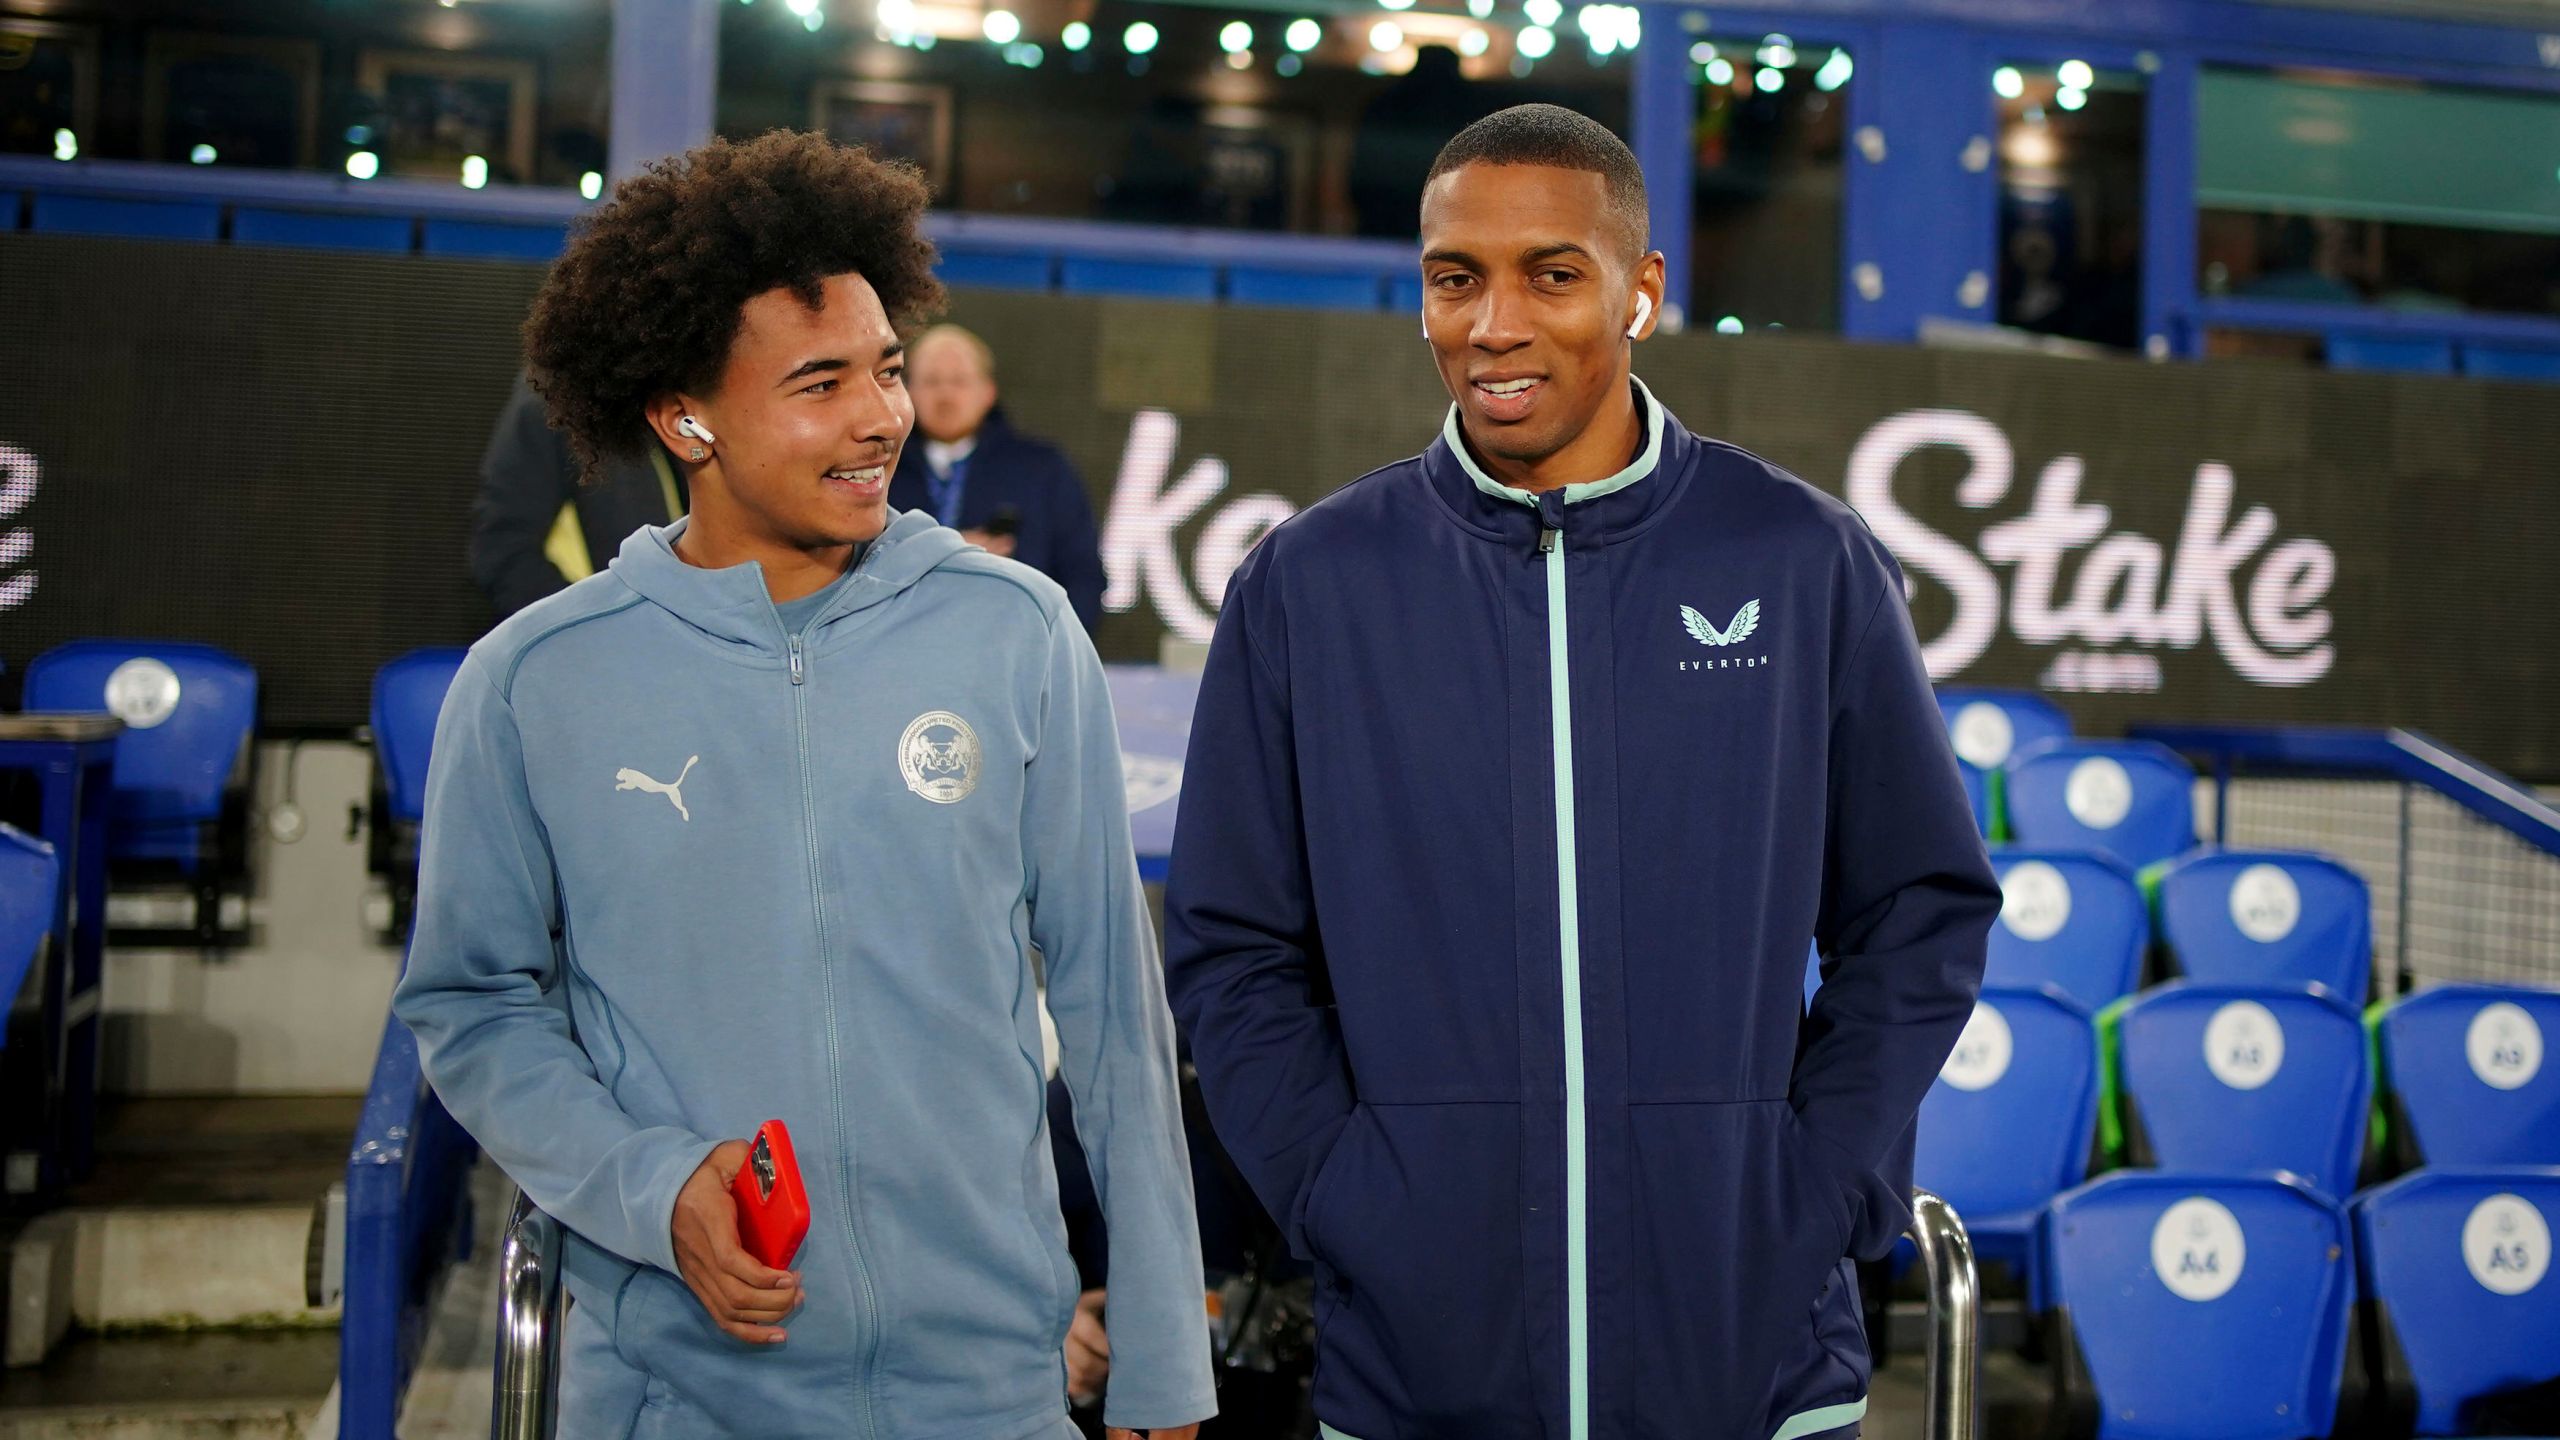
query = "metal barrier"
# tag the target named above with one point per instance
(2462, 862)
(1955, 1319)
(528, 1390)
(408, 1216)
(529, 1301)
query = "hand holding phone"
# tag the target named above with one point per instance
(773, 1206)
(747, 1298)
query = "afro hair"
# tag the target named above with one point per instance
(649, 294)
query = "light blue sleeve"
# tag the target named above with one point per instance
(1115, 1034)
(482, 994)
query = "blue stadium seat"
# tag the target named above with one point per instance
(189, 712)
(487, 240)
(2469, 1077)
(2007, 1126)
(2511, 362)
(2454, 1270)
(30, 898)
(2073, 919)
(1977, 794)
(1301, 289)
(408, 694)
(1404, 294)
(147, 219)
(994, 269)
(2269, 917)
(1145, 279)
(2130, 798)
(1990, 726)
(2415, 354)
(2233, 1080)
(2189, 1307)
(309, 230)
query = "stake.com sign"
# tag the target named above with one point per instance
(2127, 598)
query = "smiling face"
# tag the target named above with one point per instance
(1529, 286)
(807, 419)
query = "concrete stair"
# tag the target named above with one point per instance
(168, 1297)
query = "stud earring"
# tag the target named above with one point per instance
(699, 452)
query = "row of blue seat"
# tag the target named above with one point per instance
(65, 214)
(2229, 1080)
(2437, 355)
(2256, 1308)
(979, 267)
(2083, 922)
(1272, 286)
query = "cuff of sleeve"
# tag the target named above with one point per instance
(1137, 1409)
(654, 1210)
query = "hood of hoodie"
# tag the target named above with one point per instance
(733, 606)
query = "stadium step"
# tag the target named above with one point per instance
(195, 1237)
(226, 1385)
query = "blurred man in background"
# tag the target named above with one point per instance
(534, 529)
(999, 488)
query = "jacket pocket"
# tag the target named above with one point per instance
(1736, 1217)
(1312, 1210)
(1415, 1223)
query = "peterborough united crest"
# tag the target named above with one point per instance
(939, 757)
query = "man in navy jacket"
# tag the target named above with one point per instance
(1523, 771)
(995, 485)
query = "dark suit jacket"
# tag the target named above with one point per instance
(527, 476)
(1055, 532)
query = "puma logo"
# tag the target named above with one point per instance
(630, 779)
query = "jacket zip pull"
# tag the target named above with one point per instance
(1547, 541)
(798, 672)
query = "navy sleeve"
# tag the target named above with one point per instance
(1907, 902)
(526, 475)
(1242, 948)
(1076, 556)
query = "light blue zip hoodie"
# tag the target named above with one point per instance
(683, 873)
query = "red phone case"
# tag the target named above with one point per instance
(773, 1206)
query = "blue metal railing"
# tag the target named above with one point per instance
(2464, 902)
(407, 1215)
(2402, 755)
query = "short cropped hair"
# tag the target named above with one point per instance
(966, 338)
(651, 291)
(1565, 139)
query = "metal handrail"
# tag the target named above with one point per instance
(529, 1299)
(1955, 1319)
(528, 1389)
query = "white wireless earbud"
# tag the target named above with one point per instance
(1644, 312)
(687, 425)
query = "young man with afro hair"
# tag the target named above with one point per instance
(762, 822)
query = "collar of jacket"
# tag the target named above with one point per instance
(1607, 509)
(993, 434)
(733, 605)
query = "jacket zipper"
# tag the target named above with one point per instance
(1577, 1259)
(835, 1059)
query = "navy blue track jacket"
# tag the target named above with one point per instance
(1506, 822)
(1055, 532)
